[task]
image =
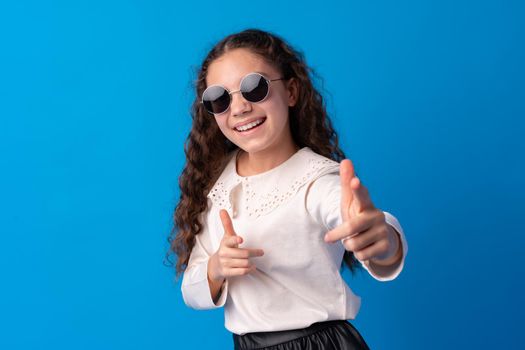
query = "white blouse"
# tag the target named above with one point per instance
(285, 211)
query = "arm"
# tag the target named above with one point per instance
(215, 285)
(198, 291)
(323, 201)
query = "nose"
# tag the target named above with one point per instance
(239, 105)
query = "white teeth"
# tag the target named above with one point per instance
(250, 125)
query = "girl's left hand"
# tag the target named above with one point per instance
(364, 230)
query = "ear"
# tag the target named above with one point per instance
(293, 92)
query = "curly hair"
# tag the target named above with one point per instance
(207, 149)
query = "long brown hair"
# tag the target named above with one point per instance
(207, 149)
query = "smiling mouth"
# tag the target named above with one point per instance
(250, 126)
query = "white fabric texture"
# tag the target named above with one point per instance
(285, 211)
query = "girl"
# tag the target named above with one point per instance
(267, 214)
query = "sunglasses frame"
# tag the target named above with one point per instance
(230, 93)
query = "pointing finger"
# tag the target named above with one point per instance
(346, 173)
(361, 197)
(227, 223)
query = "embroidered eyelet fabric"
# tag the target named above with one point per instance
(265, 192)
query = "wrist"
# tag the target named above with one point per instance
(213, 276)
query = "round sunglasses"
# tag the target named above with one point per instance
(254, 88)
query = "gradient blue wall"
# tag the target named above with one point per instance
(427, 96)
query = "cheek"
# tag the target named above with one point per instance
(221, 123)
(279, 112)
(278, 98)
(278, 105)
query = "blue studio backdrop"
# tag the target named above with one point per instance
(427, 97)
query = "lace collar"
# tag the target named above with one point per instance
(266, 191)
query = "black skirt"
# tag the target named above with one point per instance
(336, 335)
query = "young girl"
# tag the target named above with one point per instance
(267, 213)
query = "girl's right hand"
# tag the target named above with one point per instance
(230, 260)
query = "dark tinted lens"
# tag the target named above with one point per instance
(254, 87)
(216, 99)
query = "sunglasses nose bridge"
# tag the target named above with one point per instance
(234, 92)
(238, 105)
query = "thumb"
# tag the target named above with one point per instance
(346, 173)
(227, 223)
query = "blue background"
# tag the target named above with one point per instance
(427, 97)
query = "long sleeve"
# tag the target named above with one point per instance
(323, 202)
(195, 288)
(388, 273)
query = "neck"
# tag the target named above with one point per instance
(254, 163)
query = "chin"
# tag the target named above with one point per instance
(252, 147)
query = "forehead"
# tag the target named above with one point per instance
(230, 68)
